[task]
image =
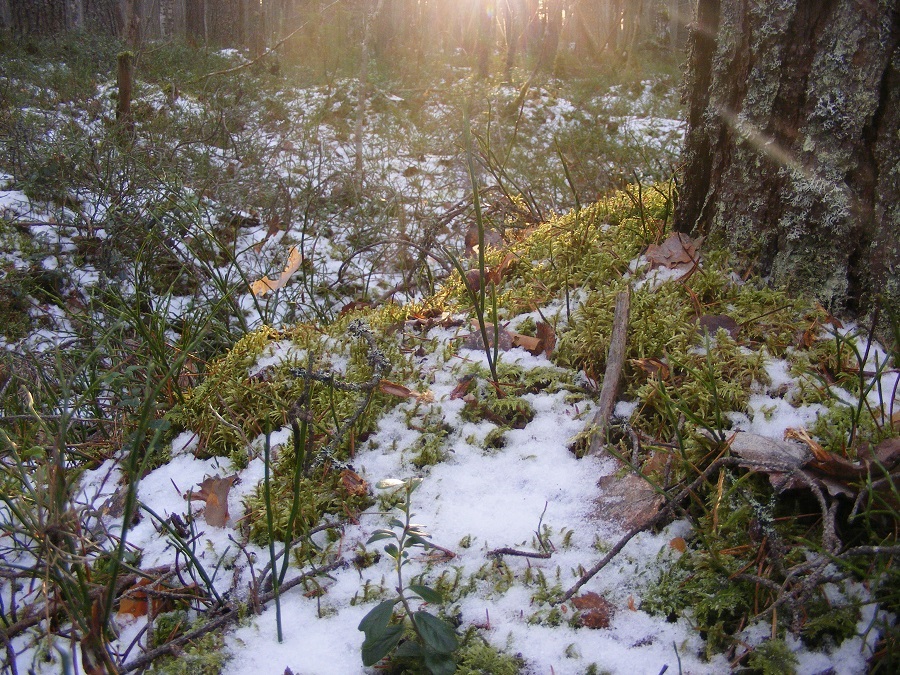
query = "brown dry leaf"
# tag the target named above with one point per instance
(711, 323)
(652, 366)
(631, 604)
(530, 344)
(496, 274)
(595, 610)
(802, 435)
(492, 238)
(771, 456)
(547, 336)
(829, 319)
(888, 452)
(629, 502)
(394, 389)
(679, 544)
(353, 483)
(475, 341)
(134, 600)
(474, 280)
(677, 249)
(355, 306)
(132, 606)
(214, 491)
(462, 387)
(267, 284)
(762, 450)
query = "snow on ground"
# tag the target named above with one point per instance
(471, 503)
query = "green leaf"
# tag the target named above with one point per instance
(409, 650)
(392, 550)
(416, 540)
(437, 634)
(377, 619)
(439, 664)
(427, 594)
(376, 648)
(379, 535)
(396, 522)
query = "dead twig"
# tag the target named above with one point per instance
(497, 552)
(615, 361)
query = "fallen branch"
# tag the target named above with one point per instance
(671, 504)
(615, 361)
(497, 552)
(229, 613)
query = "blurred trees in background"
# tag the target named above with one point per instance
(495, 34)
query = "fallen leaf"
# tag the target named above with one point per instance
(711, 323)
(530, 344)
(492, 238)
(134, 601)
(475, 341)
(829, 319)
(888, 452)
(462, 387)
(353, 483)
(785, 462)
(496, 274)
(652, 366)
(431, 318)
(355, 306)
(394, 389)
(629, 502)
(679, 544)
(509, 339)
(677, 249)
(267, 284)
(214, 492)
(802, 435)
(547, 336)
(595, 611)
(631, 604)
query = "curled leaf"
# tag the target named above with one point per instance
(394, 389)
(267, 284)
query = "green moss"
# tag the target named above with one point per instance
(773, 657)
(203, 656)
(477, 657)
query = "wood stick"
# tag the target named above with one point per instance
(615, 361)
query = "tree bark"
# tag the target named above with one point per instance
(791, 157)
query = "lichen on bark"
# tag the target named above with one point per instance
(792, 153)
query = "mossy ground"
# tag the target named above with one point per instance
(571, 269)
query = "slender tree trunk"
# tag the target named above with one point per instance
(550, 42)
(791, 158)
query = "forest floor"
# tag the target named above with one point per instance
(231, 340)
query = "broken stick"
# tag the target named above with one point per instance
(615, 360)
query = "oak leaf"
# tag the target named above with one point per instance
(676, 251)
(214, 492)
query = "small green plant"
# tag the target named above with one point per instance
(433, 640)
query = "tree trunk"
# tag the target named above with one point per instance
(38, 17)
(791, 157)
(550, 41)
